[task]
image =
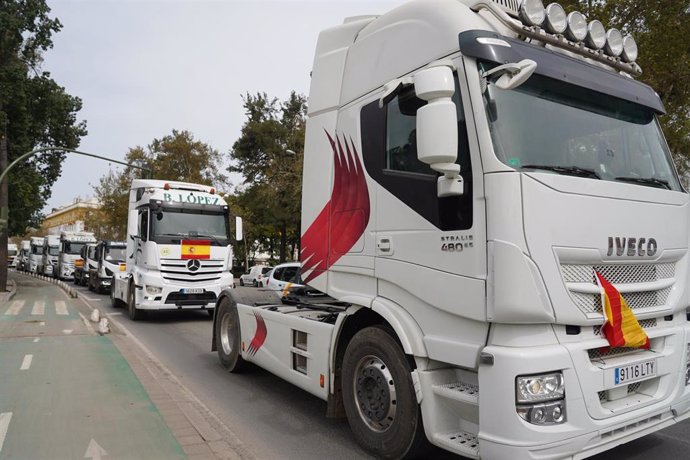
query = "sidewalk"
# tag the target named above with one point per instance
(68, 393)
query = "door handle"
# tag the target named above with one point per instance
(384, 245)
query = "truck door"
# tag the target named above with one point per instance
(429, 247)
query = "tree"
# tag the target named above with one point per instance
(34, 112)
(175, 157)
(662, 32)
(269, 155)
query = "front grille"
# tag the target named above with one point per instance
(582, 285)
(509, 5)
(178, 298)
(178, 270)
(644, 323)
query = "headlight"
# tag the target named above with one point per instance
(577, 26)
(153, 290)
(596, 35)
(629, 49)
(532, 12)
(614, 42)
(538, 388)
(556, 21)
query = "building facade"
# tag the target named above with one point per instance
(70, 218)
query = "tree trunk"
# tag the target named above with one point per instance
(283, 241)
(4, 201)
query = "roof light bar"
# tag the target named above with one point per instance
(532, 12)
(596, 35)
(629, 49)
(577, 26)
(614, 43)
(556, 21)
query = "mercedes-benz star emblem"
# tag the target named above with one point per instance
(193, 265)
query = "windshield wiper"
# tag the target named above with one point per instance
(201, 235)
(659, 183)
(568, 170)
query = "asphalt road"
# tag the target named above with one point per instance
(279, 421)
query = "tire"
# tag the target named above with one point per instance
(90, 285)
(227, 333)
(255, 284)
(134, 313)
(389, 427)
(241, 282)
(113, 301)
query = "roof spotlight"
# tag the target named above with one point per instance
(596, 35)
(556, 21)
(577, 26)
(629, 49)
(614, 42)
(532, 12)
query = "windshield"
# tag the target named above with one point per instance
(36, 249)
(172, 223)
(11, 252)
(53, 250)
(546, 125)
(71, 247)
(115, 254)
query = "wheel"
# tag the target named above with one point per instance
(113, 301)
(379, 396)
(255, 283)
(134, 313)
(227, 331)
(90, 284)
(261, 284)
(241, 282)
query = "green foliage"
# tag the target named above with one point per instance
(662, 32)
(270, 201)
(34, 110)
(175, 157)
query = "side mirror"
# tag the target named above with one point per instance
(437, 127)
(238, 229)
(510, 76)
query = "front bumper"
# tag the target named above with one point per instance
(173, 297)
(596, 420)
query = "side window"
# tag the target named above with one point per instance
(144, 224)
(278, 274)
(389, 149)
(290, 275)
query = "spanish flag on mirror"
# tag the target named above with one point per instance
(196, 249)
(621, 327)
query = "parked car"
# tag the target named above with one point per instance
(262, 280)
(251, 278)
(283, 277)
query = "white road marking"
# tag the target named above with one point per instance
(39, 308)
(117, 313)
(36, 340)
(61, 307)
(26, 364)
(94, 451)
(5, 418)
(67, 331)
(90, 299)
(15, 308)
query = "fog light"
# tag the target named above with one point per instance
(596, 35)
(577, 26)
(629, 49)
(153, 290)
(543, 414)
(614, 42)
(556, 21)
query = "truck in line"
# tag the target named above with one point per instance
(12, 252)
(70, 249)
(51, 252)
(108, 257)
(178, 248)
(36, 254)
(23, 257)
(471, 168)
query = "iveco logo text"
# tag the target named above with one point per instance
(193, 265)
(631, 246)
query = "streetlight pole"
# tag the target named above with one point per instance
(4, 208)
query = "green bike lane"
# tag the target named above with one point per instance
(66, 392)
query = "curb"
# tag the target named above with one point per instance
(61, 284)
(12, 290)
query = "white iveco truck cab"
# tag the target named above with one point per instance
(468, 167)
(70, 250)
(178, 248)
(51, 251)
(35, 254)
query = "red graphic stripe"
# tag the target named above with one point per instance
(345, 216)
(259, 335)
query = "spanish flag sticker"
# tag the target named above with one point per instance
(621, 327)
(196, 249)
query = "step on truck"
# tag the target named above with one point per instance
(469, 167)
(36, 254)
(178, 252)
(71, 244)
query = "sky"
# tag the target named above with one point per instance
(144, 68)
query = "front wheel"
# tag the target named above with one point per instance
(135, 314)
(241, 282)
(227, 333)
(379, 396)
